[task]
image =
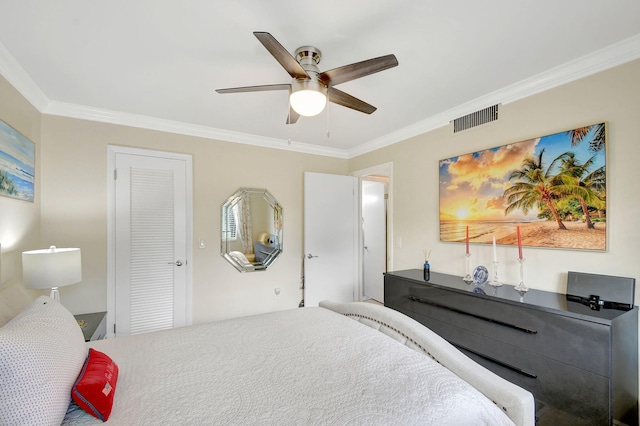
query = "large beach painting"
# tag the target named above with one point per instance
(552, 187)
(17, 164)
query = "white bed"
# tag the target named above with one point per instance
(338, 364)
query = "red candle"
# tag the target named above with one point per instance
(519, 244)
(467, 240)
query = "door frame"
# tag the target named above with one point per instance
(112, 151)
(384, 169)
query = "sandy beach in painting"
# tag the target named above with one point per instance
(547, 234)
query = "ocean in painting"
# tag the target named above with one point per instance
(479, 232)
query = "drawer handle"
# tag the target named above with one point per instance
(505, 324)
(501, 363)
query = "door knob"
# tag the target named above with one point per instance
(178, 263)
(309, 256)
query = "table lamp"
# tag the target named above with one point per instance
(51, 268)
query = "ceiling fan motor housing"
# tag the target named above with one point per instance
(308, 54)
(308, 96)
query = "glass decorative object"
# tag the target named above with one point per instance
(467, 278)
(521, 288)
(494, 281)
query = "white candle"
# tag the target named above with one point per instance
(495, 254)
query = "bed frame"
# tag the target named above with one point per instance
(517, 403)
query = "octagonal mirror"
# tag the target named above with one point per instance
(251, 238)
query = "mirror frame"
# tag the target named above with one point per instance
(226, 209)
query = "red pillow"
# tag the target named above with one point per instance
(94, 389)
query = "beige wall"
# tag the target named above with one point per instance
(19, 220)
(612, 96)
(74, 211)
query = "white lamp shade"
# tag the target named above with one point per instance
(308, 97)
(50, 268)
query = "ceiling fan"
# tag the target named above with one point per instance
(310, 89)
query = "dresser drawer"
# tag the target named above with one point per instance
(583, 344)
(553, 382)
(586, 399)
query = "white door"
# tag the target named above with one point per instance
(151, 245)
(330, 238)
(374, 241)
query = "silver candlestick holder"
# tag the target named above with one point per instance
(494, 281)
(521, 288)
(468, 279)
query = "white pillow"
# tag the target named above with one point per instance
(42, 351)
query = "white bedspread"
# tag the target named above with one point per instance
(307, 366)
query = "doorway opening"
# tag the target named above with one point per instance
(375, 254)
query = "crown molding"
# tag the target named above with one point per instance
(611, 56)
(603, 59)
(145, 122)
(20, 80)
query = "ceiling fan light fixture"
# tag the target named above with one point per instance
(308, 97)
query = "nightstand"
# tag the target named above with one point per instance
(93, 325)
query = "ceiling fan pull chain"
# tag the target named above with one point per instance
(328, 118)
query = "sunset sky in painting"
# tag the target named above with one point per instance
(471, 185)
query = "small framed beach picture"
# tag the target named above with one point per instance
(17, 164)
(552, 187)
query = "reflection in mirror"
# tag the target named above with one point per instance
(251, 237)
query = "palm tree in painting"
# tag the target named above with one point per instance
(596, 143)
(534, 187)
(576, 180)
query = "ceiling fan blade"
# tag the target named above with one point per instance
(357, 70)
(263, 88)
(339, 97)
(282, 55)
(293, 116)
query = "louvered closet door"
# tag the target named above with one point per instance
(150, 244)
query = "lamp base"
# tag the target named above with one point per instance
(55, 294)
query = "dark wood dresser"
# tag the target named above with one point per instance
(580, 364)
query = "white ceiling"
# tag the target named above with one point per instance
(156, 64)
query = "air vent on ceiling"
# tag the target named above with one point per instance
(475, 118)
